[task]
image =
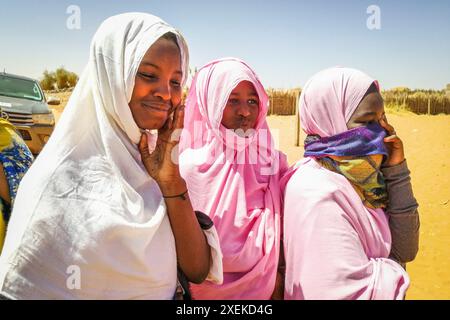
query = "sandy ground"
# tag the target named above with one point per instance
(427, 148)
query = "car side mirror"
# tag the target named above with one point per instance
(53, 101)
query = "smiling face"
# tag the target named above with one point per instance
(242, 109)
(369, 110)
(157, 88)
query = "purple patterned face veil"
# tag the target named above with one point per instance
(358, 142)
(356, 154)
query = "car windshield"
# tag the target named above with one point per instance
(20, 88)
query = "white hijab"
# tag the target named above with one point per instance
(87, 206)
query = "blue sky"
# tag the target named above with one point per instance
(286, 42)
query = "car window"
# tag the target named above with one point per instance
(20, 88)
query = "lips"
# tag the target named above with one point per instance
(157, 106)
(244, 124)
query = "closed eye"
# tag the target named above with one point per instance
(147, 75)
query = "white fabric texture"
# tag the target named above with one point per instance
(87, 207)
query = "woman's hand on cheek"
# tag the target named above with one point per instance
(394, 144)
(162, 163)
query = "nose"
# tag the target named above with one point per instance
(163, 92)
(244, 110)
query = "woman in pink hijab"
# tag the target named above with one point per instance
(232, 171)
(350, 217)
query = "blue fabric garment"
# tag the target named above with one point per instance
(15, 158)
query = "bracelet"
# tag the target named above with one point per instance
(182, 196)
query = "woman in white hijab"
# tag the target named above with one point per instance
(103, 213)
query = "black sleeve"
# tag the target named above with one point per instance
(204, 220)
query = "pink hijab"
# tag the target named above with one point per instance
(235, 181)
(335, 247)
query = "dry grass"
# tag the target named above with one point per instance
(283, 102)
(419, 102)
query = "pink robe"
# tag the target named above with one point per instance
(335, 247)
(242, 197)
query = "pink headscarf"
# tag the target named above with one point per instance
(335, 247)
(241, 195)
